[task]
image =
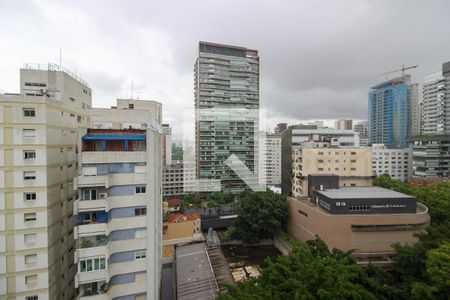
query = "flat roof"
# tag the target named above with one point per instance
(370, 192)
(195, 277)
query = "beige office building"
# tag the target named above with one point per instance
(353, 166)
(367, 220)
(39, 133)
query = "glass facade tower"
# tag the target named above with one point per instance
(389, 113)
(226, 85)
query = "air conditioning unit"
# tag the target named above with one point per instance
(103, 195)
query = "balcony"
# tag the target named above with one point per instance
(110, 180)
(90, 205)
(120, 290)
(90, 230)
(87, 277)
(94, 297)
(126, 223)
(127, 267)
(106, 157)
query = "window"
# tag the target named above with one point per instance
(29, 112)
(30, 259)
(94, 264)
(140, 254)
(353, 169)
(29, 133)
(31, 279)
(29, 217)
(131, 106)
(353, 153)
(140, 189)
(29, 238)
(140, 211)
(29, 175)
(32, 297)
(72, 99)
(353, 161)
(90, 194)
(29, 196)
(29, 154)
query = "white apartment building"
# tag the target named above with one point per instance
(39, 132)
(395, 162)
(119, 207)
(178, 179)
(273, 159)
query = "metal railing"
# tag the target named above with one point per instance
(53, 67)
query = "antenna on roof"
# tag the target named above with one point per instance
(60, 55)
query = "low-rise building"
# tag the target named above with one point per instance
(182, 226)
(313, 160)
(397, 163)
(368, 220)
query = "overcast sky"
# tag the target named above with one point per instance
(318, 58)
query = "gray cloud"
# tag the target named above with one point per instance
(318, 58)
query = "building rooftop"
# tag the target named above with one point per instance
(176, 218)
(372, 192)
(174, 202)
(195, 277)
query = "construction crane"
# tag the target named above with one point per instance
(403, 69)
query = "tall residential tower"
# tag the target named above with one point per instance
(226, 99)
(39, 133)
(119, 207)
(431, 150)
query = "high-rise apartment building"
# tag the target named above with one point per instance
(415, 105)
(118, 212)
(361, 128)
(39, 133)
(436, 103)
(397, 163)
(178, 179)
(431, 150)
(343, 124)
(226, 102)
(273, 159)
(389, 114)
(167, 144)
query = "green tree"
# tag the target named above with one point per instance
(302, 275)
(260, 215)
(192, 200)
(416, 264)
(219, 198)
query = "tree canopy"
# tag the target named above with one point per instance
(260, 215)
(313, 272)
(420, 271)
